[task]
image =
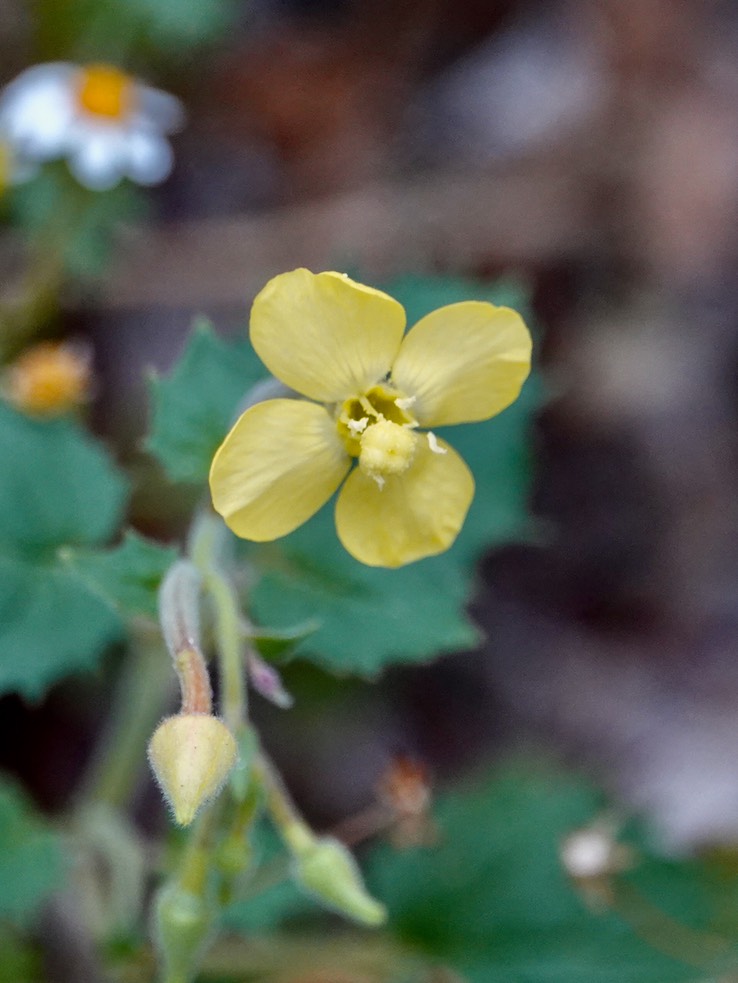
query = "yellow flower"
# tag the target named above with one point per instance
(369, 390)
(49, 379)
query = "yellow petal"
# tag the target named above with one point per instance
(324, 335)
(464, 362)
(281, 461)
(418, 513)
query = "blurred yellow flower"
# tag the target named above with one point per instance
(369, 390)
(49, 379)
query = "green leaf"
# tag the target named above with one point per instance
(276, 643)
(50, 625)
(491, 899)
(128, 576)
(195, 404)
(31, 862)
(62, 488)
(62, 491)
(368, 618)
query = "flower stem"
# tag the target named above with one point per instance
(207, 548)
(141, 691)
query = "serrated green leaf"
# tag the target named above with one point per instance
(50, 625)
(368, 618)
(61, 491)
(31, 862)
(491, 898)
(194, 405)
(59, 487)
(128, 576)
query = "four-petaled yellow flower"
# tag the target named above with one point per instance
(368, 391)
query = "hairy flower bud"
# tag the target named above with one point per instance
(326, 868)
(191, 755)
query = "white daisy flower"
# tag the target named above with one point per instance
(106, 124)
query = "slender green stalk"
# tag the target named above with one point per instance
(207, 553)
(141, 693)
(297, 834)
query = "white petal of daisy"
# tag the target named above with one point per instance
(160, 109)
(37, 108)
(150, 157)
(98, 159)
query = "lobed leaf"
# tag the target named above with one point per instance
(127, 576)
(62, 491)
(194, 406)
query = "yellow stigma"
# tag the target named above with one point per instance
(386, 449)
(105, 91)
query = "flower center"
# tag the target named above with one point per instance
(377, 428)
(105, 91)
(386, 449)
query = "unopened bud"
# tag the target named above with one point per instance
(327, 869)
(183, 924)
(191, 756)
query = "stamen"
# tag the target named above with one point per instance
(434, 445)
(357, 426)
(405, 402)
(369, 409)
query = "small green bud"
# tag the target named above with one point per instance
(327, 869)
(191, 755)
(183, 924)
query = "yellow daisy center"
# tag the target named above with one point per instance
(104, 90)
(378, 429)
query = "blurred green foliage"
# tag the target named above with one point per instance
(489, 899)
(127, 31)
(31, 863)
